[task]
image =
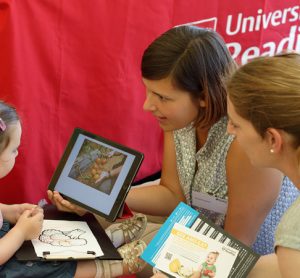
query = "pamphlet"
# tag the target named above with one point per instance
(189, 242)
(185, 253)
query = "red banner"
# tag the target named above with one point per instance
(67, 64)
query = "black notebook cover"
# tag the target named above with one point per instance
(27, 253)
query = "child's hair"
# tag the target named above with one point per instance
(8, 117)
(266, 92)
(216, 253)
(196, 60)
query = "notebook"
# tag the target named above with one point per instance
(27, 252)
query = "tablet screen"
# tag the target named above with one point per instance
(96, 173)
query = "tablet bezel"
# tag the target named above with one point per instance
(119, 201)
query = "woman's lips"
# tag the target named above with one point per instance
(160, 119)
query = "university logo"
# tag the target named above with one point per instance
(256, 33)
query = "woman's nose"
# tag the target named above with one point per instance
(149, 105)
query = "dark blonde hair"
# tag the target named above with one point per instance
(266, 92)
(8, 116)
(196, 60)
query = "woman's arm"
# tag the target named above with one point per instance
(252, 193)
(288, 260)
(266, 267)
(160, 199)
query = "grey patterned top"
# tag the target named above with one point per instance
(209, 174)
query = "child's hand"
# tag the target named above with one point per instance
(30, 223)
(64, 205)
(11, 213)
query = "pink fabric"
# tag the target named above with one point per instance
(1, 219)
(67, 64)
(73, 64)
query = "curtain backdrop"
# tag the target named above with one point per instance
(76, 63)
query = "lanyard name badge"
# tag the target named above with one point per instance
(209, 202)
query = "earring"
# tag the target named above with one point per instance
(271, 151)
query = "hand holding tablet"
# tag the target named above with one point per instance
(64, 205)
(95, 174)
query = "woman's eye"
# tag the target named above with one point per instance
(162, 98)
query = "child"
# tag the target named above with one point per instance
(27, 220)
(208, 268)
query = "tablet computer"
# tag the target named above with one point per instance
(96, 173)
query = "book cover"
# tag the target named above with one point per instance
(187, 239)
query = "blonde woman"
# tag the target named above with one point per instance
(264, 117)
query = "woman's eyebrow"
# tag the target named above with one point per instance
(162, 95)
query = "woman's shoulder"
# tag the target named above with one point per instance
(288, 228)
(292, 215)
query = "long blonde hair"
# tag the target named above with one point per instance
(266, 92)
